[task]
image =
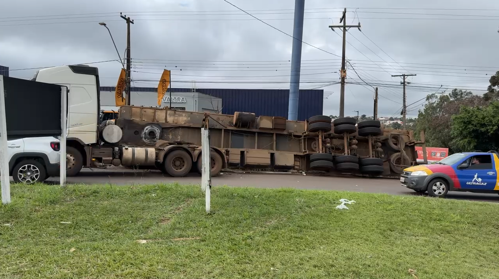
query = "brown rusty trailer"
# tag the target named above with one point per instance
(171, 140)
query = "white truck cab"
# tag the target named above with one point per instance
(84, 110)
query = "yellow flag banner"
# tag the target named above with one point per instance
(120, 87)
(163, 85)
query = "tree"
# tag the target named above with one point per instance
(396, 126)
(391, 118)
(436, 117)
(477, 128)
(363, 117)
(493, 89)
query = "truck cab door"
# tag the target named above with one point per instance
(477, 176)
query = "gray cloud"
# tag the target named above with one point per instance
(195, 31)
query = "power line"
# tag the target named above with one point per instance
(273, 27)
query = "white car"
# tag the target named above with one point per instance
(33, 160)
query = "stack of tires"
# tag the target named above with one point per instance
(319, 123)
(345, 126)
(346, 163)
(321, 162)
(369, 128)
(371, 166)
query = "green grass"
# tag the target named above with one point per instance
(252, 233)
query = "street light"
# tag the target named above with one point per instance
(104, 24)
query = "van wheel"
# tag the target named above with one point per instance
(216, 164)
(178, 163)
(438, 188)
(29, 172)
(74, 161)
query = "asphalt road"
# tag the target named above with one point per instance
(297, 181)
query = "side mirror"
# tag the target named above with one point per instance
(462, 166)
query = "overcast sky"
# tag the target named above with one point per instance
(453, 43)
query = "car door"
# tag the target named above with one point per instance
(481, 176)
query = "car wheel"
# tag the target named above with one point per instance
(438, 188)
(29, 172)
(178, 163)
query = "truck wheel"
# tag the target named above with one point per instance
(321, 157)
(438, 188)
(29, 172)
(74, 161)
(216, 164)
(322, 165)
(178, 163)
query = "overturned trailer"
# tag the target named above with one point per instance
(171, 141)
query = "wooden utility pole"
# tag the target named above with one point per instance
(404, 106)
(376, 104)
(344, 27)
(128, 59)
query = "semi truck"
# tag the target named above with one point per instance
(170, 140)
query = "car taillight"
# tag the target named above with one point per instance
(55, 146)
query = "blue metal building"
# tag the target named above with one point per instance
(4, 71)
(270, 102)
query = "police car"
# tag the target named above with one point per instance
(468, 172)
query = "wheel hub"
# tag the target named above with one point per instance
(28, 174)
(178, 163)
(70, 161)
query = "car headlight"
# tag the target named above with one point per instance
(419, 173)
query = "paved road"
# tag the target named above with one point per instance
(297, 181)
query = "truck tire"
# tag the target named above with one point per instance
(393, 142)
(29, 172)
(395, 164)
(371, 162)
(372, 169)
(347, 167)
(321, 157)
(321, 165)
(177, 163)
(319, 118)
(216, 164)
(370, 131)
(369, 123)
(344, 128)
(74, 161)
(319, 126)
(346, 159)
(343, 121)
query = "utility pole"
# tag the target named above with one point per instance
(376, 104)
(404, 106)
(294, 86)
(128, 59)
(344, 27)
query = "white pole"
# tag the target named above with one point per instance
(206, 171)
(64, 109)
(4, 160)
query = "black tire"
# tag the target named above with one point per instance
(371, 162)
(321, 157)
(369, 123)
(29, 172)
(346, 159)
(74, 161)
(347, 167)
(319, 126)
(216, 164)
(370, 131)
(343, 121)
(394, 162)
(321, 165)
(438, 188)
(345, 128)
(372, 169)
(177, 163)
(393, 142)
(319, 118)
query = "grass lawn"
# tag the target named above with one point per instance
(162, 231)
